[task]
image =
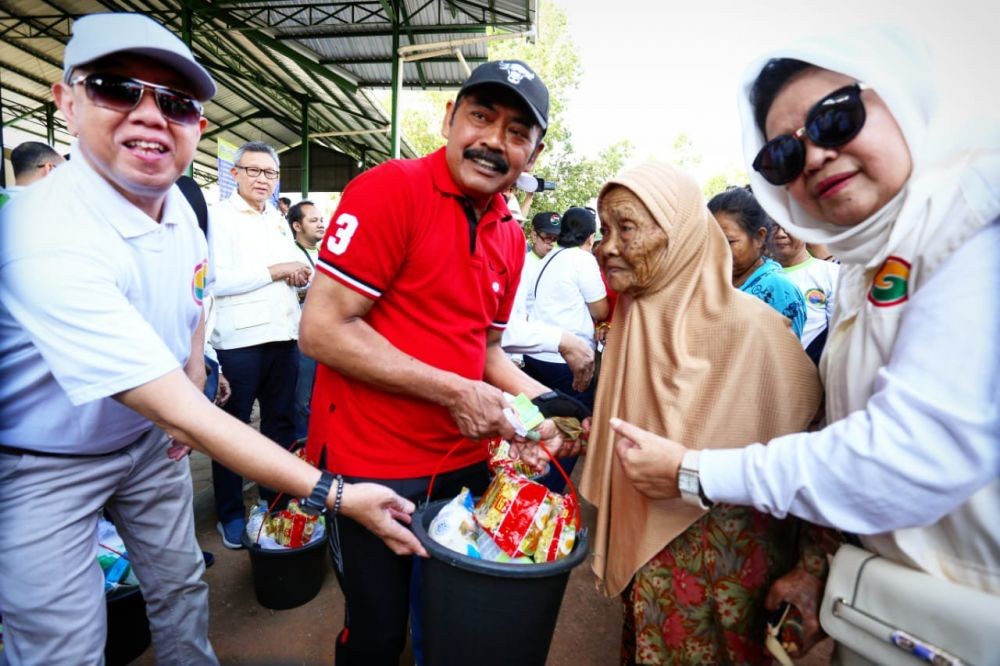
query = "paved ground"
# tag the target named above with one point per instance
(243, 632)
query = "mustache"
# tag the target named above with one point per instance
(496, 160)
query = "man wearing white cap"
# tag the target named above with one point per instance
(100, 310)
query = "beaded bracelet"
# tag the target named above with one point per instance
(340, 494)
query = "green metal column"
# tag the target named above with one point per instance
(397, 81)
(186, 35)
(50, 123)
(305, 149)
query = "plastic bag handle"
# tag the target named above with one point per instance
(296, 445)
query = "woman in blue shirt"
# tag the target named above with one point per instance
(746, 227)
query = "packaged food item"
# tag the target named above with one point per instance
(509, 512)
(502, 457)
(455, 528)
(559, 534)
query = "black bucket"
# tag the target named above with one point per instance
(289, 577)
(128, 627)
(488, 613)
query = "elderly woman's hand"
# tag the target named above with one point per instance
(649, 461)
(804, 591)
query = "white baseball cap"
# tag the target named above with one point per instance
(99, 35)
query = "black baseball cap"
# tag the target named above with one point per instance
(517, 77)
(547, 223)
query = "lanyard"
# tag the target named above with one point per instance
(306, 252)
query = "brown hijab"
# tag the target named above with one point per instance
(690, 358)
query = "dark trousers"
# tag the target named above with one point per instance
(266, 373)
(303, 394)
(558, 376)
(376, 581)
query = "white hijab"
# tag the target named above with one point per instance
(953, 191)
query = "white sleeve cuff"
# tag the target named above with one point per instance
(723, 477)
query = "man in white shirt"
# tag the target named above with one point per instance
(258, 271)
(308, 225)
(31, 161)
(101, 365)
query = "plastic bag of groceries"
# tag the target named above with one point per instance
(525, 519)
(289, 528)
(455, 528)
(113, 557)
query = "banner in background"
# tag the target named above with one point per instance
(227, 160)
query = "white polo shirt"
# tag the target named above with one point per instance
(564, 283)
(95, 298)
(817, 280)
(251, 308)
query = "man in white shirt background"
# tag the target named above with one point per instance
(258, 272)
(31, 161)
(307, 223)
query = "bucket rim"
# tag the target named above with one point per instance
(497, 569)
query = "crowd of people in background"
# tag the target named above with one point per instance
(755, 383)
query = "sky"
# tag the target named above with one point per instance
(653, 69)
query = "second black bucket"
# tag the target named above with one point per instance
(488, 613)
(128, 627)
(289, 577)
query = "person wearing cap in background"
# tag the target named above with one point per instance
(414, 285)
(101, 309)
(545, 228)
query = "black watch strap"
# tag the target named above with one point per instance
(315, 504)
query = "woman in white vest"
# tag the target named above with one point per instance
(848, 148)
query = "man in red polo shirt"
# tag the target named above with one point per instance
(415, 281)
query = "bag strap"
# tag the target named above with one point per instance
(189, 188)
(546, 265)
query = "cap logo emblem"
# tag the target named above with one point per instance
(516, 72)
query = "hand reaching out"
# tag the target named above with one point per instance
(649, 461)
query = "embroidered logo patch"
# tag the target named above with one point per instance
(815, 297)
(198, 282)
(890, 284)
(516, 72)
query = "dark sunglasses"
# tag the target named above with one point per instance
(122, 94)
(832, 122)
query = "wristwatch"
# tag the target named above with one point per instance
(315, 504)
(689, 482)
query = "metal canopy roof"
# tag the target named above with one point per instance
(285, 69)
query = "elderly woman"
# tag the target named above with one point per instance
(747, 227)
(847, 151)
(689, 357)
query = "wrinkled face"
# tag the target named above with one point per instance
(138, 152)
(491, 140)
(746, 249)
(847, 184)
(633, 247)
(785, 247)
(311, 227)
(542, 243)
(257, 190)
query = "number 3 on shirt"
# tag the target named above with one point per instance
(340, 238)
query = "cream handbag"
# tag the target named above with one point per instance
(892, 614)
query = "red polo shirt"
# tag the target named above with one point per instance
(401, 236)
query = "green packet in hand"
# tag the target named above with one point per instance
(527, 412)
